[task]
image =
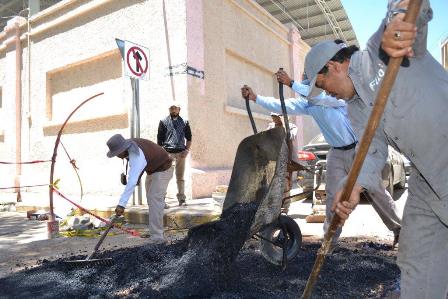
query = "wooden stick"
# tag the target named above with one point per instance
(372, 125)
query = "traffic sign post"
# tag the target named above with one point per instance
(135, 124)
(136, 66)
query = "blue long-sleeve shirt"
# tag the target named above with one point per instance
(329, 113)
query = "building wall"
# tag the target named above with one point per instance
(2, 101)
(8, 110)
(244, 45)
(73, 56)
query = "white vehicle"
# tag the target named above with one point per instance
(315, 153)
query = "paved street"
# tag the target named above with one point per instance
(364, 221)
(23, 242)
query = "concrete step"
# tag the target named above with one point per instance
(197, 211)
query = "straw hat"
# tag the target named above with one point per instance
(117, 144)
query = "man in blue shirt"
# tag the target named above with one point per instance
(331, 116)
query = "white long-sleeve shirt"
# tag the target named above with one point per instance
(137, 163)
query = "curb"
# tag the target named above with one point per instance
(174, 218)
(8, 207)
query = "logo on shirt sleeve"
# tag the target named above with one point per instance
(378, 77)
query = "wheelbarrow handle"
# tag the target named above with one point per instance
(252, 122)
(285, 120)
(284, 112)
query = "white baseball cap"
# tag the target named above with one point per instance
(173, 104)
(316, 59)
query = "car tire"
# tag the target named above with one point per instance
(390, 187)
(273, 253)
(402, 183)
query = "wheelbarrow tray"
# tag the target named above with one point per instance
(259, 176)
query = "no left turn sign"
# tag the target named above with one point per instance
(136, 60)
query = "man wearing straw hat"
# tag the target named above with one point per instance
(144, 156)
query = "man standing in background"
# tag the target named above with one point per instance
(174, 135)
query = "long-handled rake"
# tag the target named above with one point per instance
(89, 261)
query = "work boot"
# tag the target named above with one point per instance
(156, 241)
(145, 234)
(181, 199)
(396, 241)
(334, 247)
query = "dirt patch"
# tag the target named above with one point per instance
(360, 268)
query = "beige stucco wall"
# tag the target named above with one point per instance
(7, 126)
(244, 45)
(78, 58)
(2, 82)
(74, 56)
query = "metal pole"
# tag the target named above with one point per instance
(133, 123)
(135, 129)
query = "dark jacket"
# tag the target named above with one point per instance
(172, 134)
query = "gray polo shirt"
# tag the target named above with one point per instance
(416, 116)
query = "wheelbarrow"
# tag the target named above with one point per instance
(261, 168)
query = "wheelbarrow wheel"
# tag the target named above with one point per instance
(273, 240)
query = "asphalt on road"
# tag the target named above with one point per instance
(361, 268)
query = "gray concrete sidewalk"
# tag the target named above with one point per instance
(364, 221)
(196, 211)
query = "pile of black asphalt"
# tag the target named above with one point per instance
(216, 260)
(191, 268)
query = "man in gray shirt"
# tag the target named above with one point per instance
(415, 122)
